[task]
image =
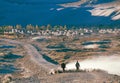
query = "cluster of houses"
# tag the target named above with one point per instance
(71, 32)
(115, 31)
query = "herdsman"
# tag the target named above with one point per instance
(77, 65)
(63, 66)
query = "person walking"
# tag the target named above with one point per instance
(77, 65)
(63, 66)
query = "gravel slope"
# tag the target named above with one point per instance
(34, 54)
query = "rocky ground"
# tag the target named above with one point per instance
(74, 50)
(32, 72)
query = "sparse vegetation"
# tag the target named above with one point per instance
(58, 49)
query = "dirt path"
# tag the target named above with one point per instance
(34, 54)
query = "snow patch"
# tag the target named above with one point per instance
(59, 9)
(106, 11)
(111, 64)
(51, 8)
(91, 46)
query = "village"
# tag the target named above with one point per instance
(19, 32)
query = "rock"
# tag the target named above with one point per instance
(1, 54)
(52, 72)
(7, 79)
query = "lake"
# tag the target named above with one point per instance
(24, 12)
(43, 12)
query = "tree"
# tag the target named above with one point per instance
(42, 28)
(1, 30)
(65, 27)
(49, 27)
(37, 28)
(30, 27)
(61, 28)
(8, 28)
(18, 27)
(55, 28)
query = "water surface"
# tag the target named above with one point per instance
(47, 58)
(7, 63)
(43, 12)
(7, 69)
(7, 46)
